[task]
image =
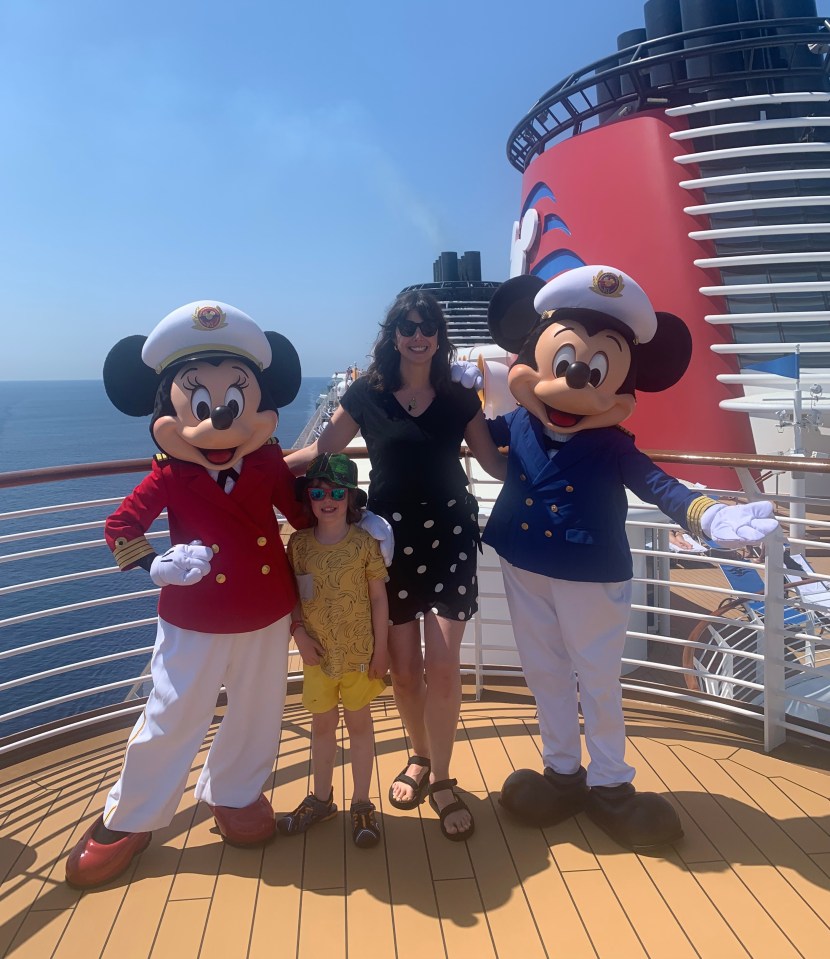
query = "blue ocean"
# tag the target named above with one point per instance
(45, 424)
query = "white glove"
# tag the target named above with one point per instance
(379, 528)
(182, 565)
(468, 375)
(732, 526)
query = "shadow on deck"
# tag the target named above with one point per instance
(750, 878)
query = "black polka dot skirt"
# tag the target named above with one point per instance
(434, 566)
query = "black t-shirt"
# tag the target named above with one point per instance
(414, 458)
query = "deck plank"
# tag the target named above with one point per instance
(775, 802)
(707, 930)
(181, 929)
(661, 935)
(554, 912)
(754, 928)
(509, 916)
(752, 840)
(692, 804)
(134, 931)
(35, 882)
(322, 925)
(39, 934)
(750, 879)
(463, 925)
(275, 927)
(608, 926)
(228, 929)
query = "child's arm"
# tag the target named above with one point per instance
(379, 665)
(310, 650)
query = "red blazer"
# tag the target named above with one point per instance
(250, 584)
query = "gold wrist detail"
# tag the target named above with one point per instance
(128, 552)
(696, 510)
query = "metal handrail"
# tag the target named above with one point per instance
(488, 649)
(568, 106)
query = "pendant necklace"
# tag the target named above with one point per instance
(412, 404)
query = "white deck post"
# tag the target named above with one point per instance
(773, 644)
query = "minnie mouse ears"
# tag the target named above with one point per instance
(135, 366)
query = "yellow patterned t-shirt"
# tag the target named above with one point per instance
(333, 583)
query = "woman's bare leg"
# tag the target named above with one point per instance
(442, 642)
(407, 671)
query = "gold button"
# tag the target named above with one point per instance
(120, 541)
(525, 526)
(266, 570)
(554, 508)
(522, 477)
(215, 548)
(548, 533)
(262, 541)
(221, 578)
(569, 489)
(528, 502)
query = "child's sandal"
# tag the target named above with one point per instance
(310, 811)
(451, 807)
(365, 828)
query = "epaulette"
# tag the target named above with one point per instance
(272, 441)
(622, 429)
(161, 458)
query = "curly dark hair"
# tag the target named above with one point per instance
(384, 372)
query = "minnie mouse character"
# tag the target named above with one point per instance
(586, 341)
(213, 381)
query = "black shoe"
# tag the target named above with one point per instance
(544, 800)
(639, 821)
(310, 811)
(365, 828)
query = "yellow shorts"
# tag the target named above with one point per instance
(355, 690)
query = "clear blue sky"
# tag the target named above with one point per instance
(300, 161)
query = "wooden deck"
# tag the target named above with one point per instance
(750, 878)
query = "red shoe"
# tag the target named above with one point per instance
(249, 826)
(93, 863)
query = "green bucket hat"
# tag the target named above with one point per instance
(335, 468)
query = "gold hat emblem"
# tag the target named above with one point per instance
(208, 318)
(607, 284)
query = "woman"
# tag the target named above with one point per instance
(413, 418)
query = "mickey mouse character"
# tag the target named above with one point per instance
(586, 341)
(213, 381)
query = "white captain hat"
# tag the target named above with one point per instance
(603, 289)
(205, 328)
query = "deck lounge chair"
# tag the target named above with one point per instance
(730, 654)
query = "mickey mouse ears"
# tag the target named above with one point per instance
(662, 341)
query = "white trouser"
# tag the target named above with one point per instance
(188, 668)
(566, 632)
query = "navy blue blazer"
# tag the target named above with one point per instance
(565, 517)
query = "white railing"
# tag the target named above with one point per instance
(76, 635)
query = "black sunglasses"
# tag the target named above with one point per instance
(427, 327)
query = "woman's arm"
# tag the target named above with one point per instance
(484, 449)
(379, 666)
(340, 430)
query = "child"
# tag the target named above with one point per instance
(340, 626)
